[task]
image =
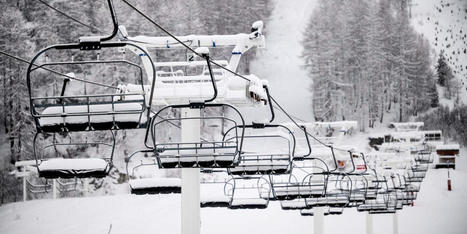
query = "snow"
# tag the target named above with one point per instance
(436, 211)
(280, 63)
(448, 147)
(98, 114)
(154, 183)
(54, 164)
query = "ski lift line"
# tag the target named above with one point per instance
(56, 72)
(69, 17)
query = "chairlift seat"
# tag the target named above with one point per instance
(212, 195)
(155, 186)
(297, 204)
(310, 212)
(262, 165)
(373, 206)
(292, 191)
(248, 203)
(218, 155)
(95, 116)
(212, 201)
(74, 168)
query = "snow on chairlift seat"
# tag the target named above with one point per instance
(310, 212)
(251, 164)
(73, 167)
(248, 203)
(290, 191)
(212, 195)
(99, 117)
(373, 206)
(214, 201)
(220, 154)
(155, 185)
(296, 204)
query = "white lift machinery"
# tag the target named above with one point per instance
(179, 82)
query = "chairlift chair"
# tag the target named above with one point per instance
(67, 156)
(308, 180)
(212, 151)
(212, 191)
(248, 192)
(257, 157)
(295, 204)
(143, 178)
(310, 212)
(96, 106)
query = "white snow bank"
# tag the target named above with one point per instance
(82, 111)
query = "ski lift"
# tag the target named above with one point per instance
(38, 188)
(65, 157)
(310, 212)
(257, 158)
(424, 157)
(143, 179)
(97, 106)
(307, 180)
(212, 191)
(248, 192)
(337, 194)
(211, 151)
(296, 204)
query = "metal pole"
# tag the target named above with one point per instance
(318, 215)
(54, 188)
(25, 191)
(369, 223)
(395, 224)
(86, 186)
(190, 207)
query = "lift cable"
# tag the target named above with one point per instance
(225, 68)
(58, 73)
(70, 17)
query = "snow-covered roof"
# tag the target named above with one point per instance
(448, 147)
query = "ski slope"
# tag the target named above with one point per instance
(436, 211)
(428, 16)
(280, 62)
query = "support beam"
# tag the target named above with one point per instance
(318, 220)
(54, 188)
(318, 215)
(369, 223)
(86, 186)
(25, 189)
(395, 224)
(190, 207)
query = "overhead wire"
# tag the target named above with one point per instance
(56, 72)
(292, 118)
(224, 68)
(69, 17)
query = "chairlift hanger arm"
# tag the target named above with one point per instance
(241, 40)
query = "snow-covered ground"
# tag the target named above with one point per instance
(280, 62)
(436, 211)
